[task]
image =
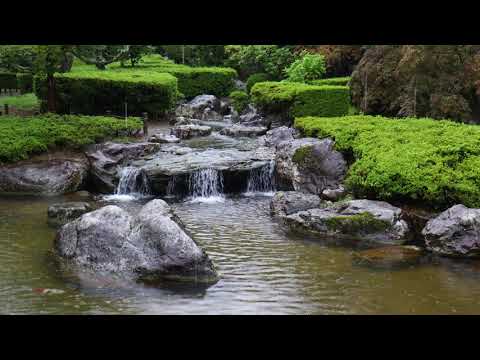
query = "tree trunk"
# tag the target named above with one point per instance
(51, 103)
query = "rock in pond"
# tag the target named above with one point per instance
(388, 257)
(243, 131)
(60, 214)
(190, 131)
(310, 165)
(163, 139)
(48, 174)
(289, 202)
(109, 158)
(149, 246)
(360, 220)
(455, 232)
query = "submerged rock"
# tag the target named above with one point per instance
(365, 220)
(389, 257)
(149, 246)
(289, 202)
(455, 232)
(310, 165)
(60, 214)
(244, 131)
(47, 174)
(108, 159)
(190, 131)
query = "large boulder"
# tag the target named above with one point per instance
(148, 246)
(109, 158)
(202, 107)
(243, 131)
(364, 220)
(289, 202)
(47, 174)
(162, 138)
(455, 232)
(310, 165)
(60, 214)
(190, 131)
(275, 136)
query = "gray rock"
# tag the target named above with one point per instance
(289, 202)
(163, 139)
(250, 117)
(310, 165)
(149, 246)
(47, 174)
(240, 85)
(189, 131)
(364, 220)
(201, 107)
(243, 131)
(455, 232)
(275, 136)
(109, 158)
(334, 194)
(60, 214)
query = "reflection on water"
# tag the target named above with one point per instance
(264, 270)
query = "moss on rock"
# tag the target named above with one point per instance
(353, 224)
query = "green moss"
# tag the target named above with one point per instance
(302, 155)
(353, 224)
(435, 162)
(240, 100)
(338, 81)
(301, 99)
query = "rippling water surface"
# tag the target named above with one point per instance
(264, 270)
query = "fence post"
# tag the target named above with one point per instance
(145, 123)
(6, 108)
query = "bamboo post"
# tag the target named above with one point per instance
(6, 108)
(145, 123)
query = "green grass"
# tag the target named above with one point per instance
(21, 102)
(21, 137)
(433, 162)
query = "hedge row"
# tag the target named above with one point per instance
(95, 92)
(338, 81)
(301, 99)
(22, 82)
(22, 137)
(408, 160)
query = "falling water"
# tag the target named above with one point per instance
(133, 181)
(172, 183)
(206, 185)
(262, 180)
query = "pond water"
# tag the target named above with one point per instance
(264, 270)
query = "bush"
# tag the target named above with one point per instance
(22, 137)
(392, 164)
(309, 67)
(256, 78)
(95, 92)
(301, 99)
(18, 58)
(339, 81)
(25, 83)
(8, 80)
(240, 100)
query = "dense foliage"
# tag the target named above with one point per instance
(308, 68)
(17, 58)
(340, 81)
(240, 100)
(194, 55)
(413, 160)
(301, 99)
(256, 78)
(22, 137)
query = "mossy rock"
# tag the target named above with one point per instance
(389, 257)
(302, 155)
(352, 224)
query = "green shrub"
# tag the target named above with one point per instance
(256, 78)
(25, 83)
(301, 99)
(339, 81)
(22, 102)
(25, 136)
(95, 92)
(411, 160)
(8, 80)
(308, 68)
(240, 100)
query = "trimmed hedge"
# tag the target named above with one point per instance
(301, 99)
(8, 80)
(406, 160)
(338, 81)
(95, 92)
(21, 137)
(22, 102)
(256, 78)
(240, 100)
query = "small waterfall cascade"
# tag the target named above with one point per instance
(206, 185)
(262, 179)
(172, 183)
(133, 181)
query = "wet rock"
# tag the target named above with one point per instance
(455, 232)
(225, 107)
(47, 174)
(202, 107)
(289, 202)
(334, 194)
(60, 214)
(240, 85)
(190, 131)
(244, 131)
(363, 220)
(388, 257)
(310, 165)
(163, 139)
(109, 158)
(275, 136)
(250, 117)
(149, 246)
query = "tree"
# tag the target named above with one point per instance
(17, 58)
(101, 55)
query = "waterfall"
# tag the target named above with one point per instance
(206, 185)
(172, 183)
(262, 180)
(133, 181)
